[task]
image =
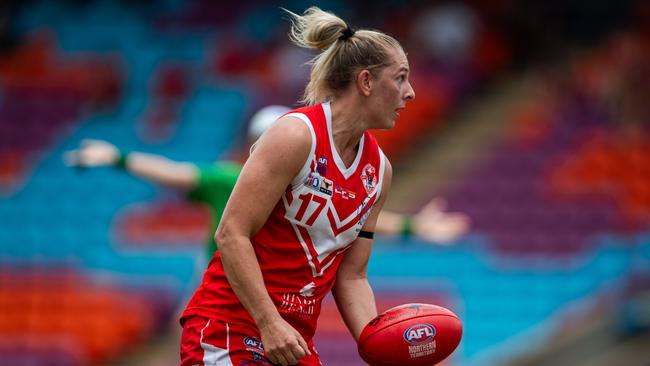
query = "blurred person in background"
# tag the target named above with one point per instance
(212, 184)
(448, 32)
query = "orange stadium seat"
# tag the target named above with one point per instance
(165, 223)
(101, 321)
(612, 167)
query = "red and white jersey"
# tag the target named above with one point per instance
(301, 245)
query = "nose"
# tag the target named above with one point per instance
(410, 93)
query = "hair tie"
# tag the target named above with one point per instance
(346, 33)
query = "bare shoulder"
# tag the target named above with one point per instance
(288, 130)
(285, 145)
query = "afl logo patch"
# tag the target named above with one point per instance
(253, 344)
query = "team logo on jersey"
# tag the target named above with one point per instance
(321, 166)
(369, 178)
(326, 186)
(345, 193)
(320, 184)
(294, 303)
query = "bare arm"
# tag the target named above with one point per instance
(154, 168)
(431, 223)
(274, 162)
(352, 292)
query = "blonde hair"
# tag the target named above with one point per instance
(343, 52)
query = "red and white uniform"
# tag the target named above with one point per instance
(301, 245)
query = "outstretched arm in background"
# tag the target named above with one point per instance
(154, 168)
(431, 223)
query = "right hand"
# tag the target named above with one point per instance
(92, 153)
(438, 226)
(283, 344)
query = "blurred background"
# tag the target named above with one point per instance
(531, 117)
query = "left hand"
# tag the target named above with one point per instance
(92, 153)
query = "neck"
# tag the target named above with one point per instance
(348, 125)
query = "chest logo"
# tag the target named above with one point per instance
(345, 193)
(369, 178)
(321, 167)
(320, 184)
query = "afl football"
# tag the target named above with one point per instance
(410, 335)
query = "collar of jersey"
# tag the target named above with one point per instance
(347, 172)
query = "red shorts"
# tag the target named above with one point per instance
(209, 342)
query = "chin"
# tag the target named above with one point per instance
(385, 126)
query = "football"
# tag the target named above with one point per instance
(410, 335)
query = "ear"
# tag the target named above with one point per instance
(364, 82)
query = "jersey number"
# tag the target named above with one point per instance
(306, 199)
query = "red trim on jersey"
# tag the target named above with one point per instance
(352, 222)
(318, 265)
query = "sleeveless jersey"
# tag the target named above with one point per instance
(302, 243)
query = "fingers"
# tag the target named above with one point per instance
(283, 344)
(282, 357)
(75, 158)
(92, 153)
(304, 346)
(272, 357)
(437, 204)
(290, 353)
(460, 222)
(297, 351)
(291, 359)
(452, 228)
(443, 228)
(438, 226)
(278, 358)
